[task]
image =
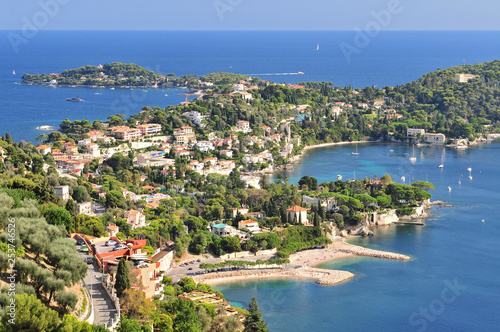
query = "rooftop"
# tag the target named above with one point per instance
(297, 208)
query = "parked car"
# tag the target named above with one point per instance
(110, 243)
(190, 268)
(80, 241)
(89, 260)
(119, 247)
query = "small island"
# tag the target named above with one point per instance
(122, 75)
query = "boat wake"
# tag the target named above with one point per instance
(276, 74)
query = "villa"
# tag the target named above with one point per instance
(251, 225)
(297, 214)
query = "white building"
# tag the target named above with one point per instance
(224, 230)
(434, 139)
(464, 78)
(84, 208)
(415, 132)
(135, 218)
(246, 95)
(297, 213)
(238, 87)
(251, 225)
(243, 126)
(205, 146)
(227, 153)
(62, 191)
(252, 181)
(84, 141)
(150, 128)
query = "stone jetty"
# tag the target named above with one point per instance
(323, 276)
(360, 251)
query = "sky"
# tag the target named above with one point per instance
(249, 14)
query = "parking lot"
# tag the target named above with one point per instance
(101, 248)
(193, 268)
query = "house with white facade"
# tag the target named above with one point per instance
(251, 225)
(44, 149)
(434, 139)
(62, 191)
(84, 208)
(243, 126)
(414, 132)
(135, 218)
(297, 213)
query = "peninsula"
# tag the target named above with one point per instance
(175, 193)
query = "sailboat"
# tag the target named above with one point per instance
(413, 158)
(470, 173)
(355, 153)
(459, 182)
(317, 47)
(13, 72)
(442, 161)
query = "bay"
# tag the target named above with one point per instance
(453, 248)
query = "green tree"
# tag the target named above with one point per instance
(231, 244)
(80, 194)
(114, 199)
(185, 319)
(386, 179)
(122, 278)
(66, 300)
(204, 318)
(129, 325)
(37, 166)
(70, 206)
(164, 323)
(254, 321)
(59, 216)
(31, 315)
(423, 185)
(72, 324)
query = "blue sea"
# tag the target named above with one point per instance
(451, 283)
(391, 58)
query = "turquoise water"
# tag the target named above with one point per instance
(454, 247)
(391, 58)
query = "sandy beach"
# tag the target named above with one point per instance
(302, 266)
(333, 144)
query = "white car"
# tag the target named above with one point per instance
(110, 243)
(119, 247)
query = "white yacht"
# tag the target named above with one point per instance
(356, 153)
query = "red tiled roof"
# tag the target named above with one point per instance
(246, 222)
(297, 208)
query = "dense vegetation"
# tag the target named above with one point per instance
(436, 103)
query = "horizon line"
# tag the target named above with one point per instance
(264, 30)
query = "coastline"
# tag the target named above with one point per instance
(104, 86)
(334, 144)
(302, 265)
